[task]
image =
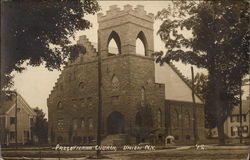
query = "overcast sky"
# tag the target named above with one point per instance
(35, 83)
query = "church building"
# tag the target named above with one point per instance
(135, 107)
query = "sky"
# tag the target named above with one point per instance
(36, 83)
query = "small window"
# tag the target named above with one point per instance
(59, 106)
(234, 130)
(26, 134)
(245, 129)
(60, 123)
(74, 101)
(82, 102)
(232, 118)
(244, 118)
(238, 118)
(75, 124)
(81, 86)
(89, 99)
(12, 120)
(90, 120)
(115, 82)
(12, 135)
(82, 122)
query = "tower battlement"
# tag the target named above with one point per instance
(115, 11)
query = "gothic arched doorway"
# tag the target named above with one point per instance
(116, 123)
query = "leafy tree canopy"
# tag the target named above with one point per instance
(39, 31)
(219, 43)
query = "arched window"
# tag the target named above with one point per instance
(141, 44)
(82, 102)
(114, 44)
(60, 124)
(81, 86)
(176, 119)
(115, 82)
(59, 105)
(142, 96)
(82, 122)
(74, 123)
(188, 119)
(159, 118)
(90, 120)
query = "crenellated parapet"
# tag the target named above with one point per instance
(114, 11)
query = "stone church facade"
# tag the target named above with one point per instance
(134, 108)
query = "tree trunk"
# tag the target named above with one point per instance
(219, 112)
(221, 134)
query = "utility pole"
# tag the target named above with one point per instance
(99, 110)
(16, 118)
(240, 131)
(194, 109)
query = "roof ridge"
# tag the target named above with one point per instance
(186, 80)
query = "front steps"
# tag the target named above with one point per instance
(115, 139)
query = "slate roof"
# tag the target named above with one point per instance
(186, 80)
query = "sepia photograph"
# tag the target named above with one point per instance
(125, 80)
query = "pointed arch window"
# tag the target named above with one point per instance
(176, 119)
(188, 119)
(115, 82)
(81, 86)
(75, 124)
(142, 96)
(59, 105)
(82, 122)
(114, 44)
(159, 118)
(141, 44)
(91, 125)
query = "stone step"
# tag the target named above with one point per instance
(115, 139)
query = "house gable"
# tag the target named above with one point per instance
(177, 87)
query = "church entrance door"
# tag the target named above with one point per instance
(116, 123)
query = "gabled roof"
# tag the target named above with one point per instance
(177, 86)
(186, 80)
(7, 105)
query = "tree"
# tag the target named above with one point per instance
(39, 32)
(219, 43)
(200, 87)
(40, 127)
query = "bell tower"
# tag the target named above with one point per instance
(128, 78)
(125, 26)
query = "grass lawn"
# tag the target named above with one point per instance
(167, 154)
